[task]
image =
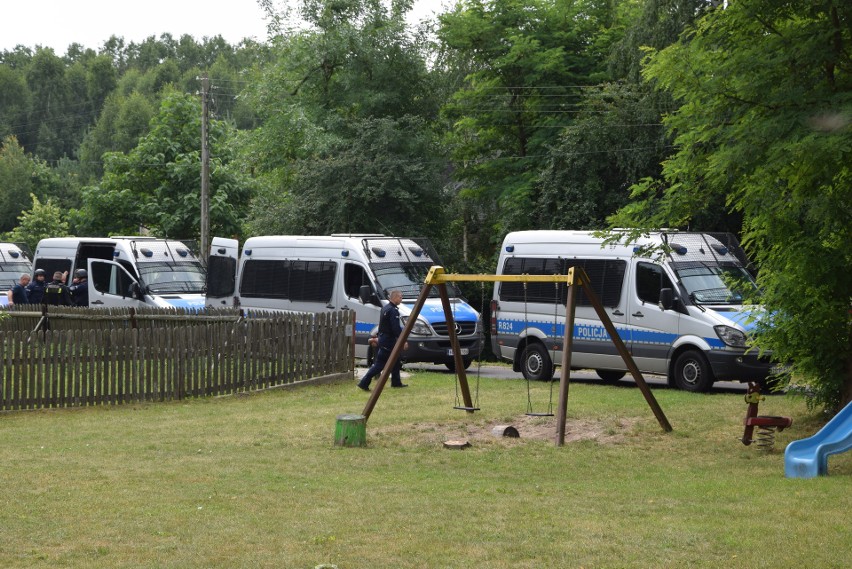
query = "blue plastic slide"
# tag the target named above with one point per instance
(808, 458)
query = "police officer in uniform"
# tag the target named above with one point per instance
(35, 290)
(80, 289)
(18, 294)
(390, 329)
(56, 293)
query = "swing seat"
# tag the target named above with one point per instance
(539, 414)
(462, 408)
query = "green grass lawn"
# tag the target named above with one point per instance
(255, 481)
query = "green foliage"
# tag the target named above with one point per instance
(43, 220)
(765, 95)
(157, 184)
(344, 142)
(20, 176)
(379, 179)
(528, 64)
(14, 99)
(123, 120)
(616, 140)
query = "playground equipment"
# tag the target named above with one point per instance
(575, 277)
(808, 458)
(766, 425)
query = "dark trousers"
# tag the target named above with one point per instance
(382, 355)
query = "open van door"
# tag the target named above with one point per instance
(111, 285)
(222, 272)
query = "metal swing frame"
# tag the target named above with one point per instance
(575, 277)
(480, 338)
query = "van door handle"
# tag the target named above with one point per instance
(638, 315)
(97, 302)
(617, 312)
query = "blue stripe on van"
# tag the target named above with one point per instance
(743, 318)
(195, 303)
(433, 311)
(597, 333)
(363, 327)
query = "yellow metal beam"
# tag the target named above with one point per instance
(437, 275)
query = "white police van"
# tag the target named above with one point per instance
(14, 262)
(675, 298)
(128, 271)
(343, 272)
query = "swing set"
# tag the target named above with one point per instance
(575, 277)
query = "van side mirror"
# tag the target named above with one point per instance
(666, 298)
(364, 294)
(367, 296)
(137, 291)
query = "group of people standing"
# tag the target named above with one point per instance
(55, 292)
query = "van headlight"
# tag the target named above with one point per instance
(731, 336)
(420, 327)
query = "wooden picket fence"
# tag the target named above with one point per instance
(115, 364)
(41, 317)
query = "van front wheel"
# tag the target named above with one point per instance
(692, 372)
(536, 364)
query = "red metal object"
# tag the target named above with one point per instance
(767, 425)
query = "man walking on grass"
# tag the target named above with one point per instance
(390, 329)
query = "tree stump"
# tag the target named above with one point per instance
(351, 431)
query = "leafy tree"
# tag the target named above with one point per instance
(122, 122)
(43, 220)
(764, 89)
(371, 181)
(616, 140)
(20, 176)
(14, 102)
(101, 80)
(50, 94)
(530, 61)
(157, 184)
(344, 119)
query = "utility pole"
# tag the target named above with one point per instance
(205, 167)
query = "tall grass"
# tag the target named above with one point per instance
(255, 481)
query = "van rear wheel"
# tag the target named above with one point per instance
(536, 364)
(692, 372)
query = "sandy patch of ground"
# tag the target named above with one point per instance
(606, 431)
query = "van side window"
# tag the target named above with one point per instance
(110, 279)
(606, 275)
(312, 281)
(50, 266)
(221, 272)
(354, 277)
(650, 278)
(265, 279)
(289, 280)
(536, 292)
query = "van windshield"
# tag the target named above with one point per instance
(408, 278)
(10, 274)
(163, 278)
(715, 284)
